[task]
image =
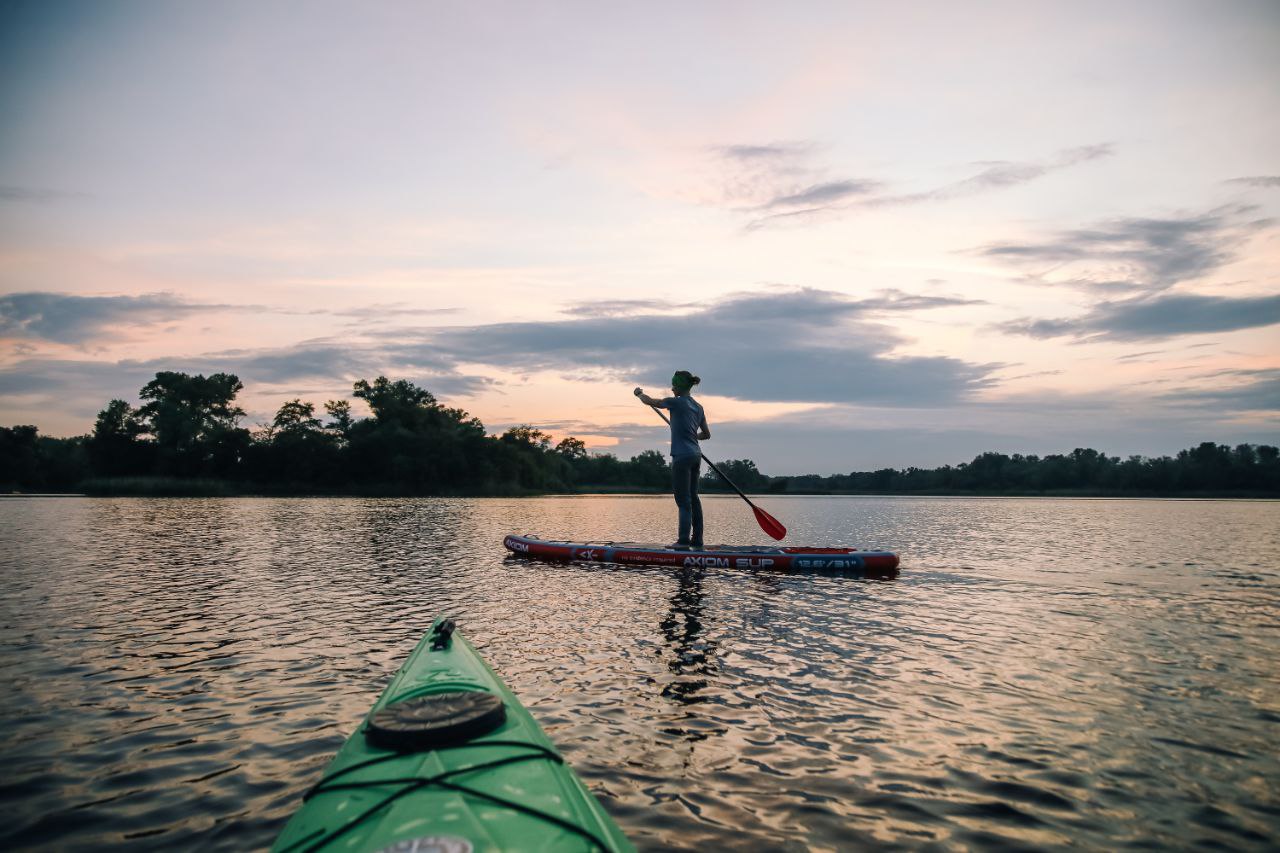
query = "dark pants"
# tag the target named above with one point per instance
(684, 473)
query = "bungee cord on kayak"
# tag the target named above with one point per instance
(413, 784)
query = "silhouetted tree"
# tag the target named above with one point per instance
(340, 419)
(32, 462)
(194, 422)
(527, 436)
(63, 462)
(415, 443)
(573, 449)
(742, 472)
(19, 467)
(400, 403)
(649, 468)
(116, 447)
(528, 459)
(295, 448)
(295, 417)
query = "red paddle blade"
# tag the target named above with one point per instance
(769, 524)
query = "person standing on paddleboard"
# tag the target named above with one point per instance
(688, 426)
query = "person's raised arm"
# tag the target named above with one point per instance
(649, 401)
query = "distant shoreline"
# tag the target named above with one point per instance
(168, 488)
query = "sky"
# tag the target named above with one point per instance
(884, 234)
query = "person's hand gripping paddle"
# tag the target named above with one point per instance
(768, 523)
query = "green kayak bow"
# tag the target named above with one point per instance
(449, 761)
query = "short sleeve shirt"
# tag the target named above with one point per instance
(686, 418)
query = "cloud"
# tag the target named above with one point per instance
(1252, 391)
(621, 307)
(792, 346)
(36, 195)
(1263, 181)
(293, 364)
(387, 310)
(897, 300)
(751, 177)
(340, 361)
(823, 195)
(69, 319)
(82, 387)
(813, 200)
(77, 388)
(782, 182)
(803, 305)
(1035, 374)
(1136, 254)
(1137, 356)
(774, 151)
(801, 345)
(1155, 317)
(999, 175)
(798, 345)
(759, 305)
(777, 180)
(1040, 329)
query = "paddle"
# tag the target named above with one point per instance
(767, 522)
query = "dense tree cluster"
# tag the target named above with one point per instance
(188, 429)
(37, 463)
(743, 474)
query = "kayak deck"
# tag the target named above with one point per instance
(420, 774)
(872, 564)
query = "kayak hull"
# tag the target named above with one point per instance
(848, 561)
(504, 788)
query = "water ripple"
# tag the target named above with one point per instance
(1045, 674)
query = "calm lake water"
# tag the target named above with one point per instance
(1045, 673)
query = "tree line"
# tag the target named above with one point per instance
(186, 436)
(1206, 468)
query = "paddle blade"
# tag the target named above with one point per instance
(768, 523)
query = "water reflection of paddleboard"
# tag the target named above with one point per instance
(871, 564)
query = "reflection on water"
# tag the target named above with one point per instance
(1044, 673)
(691, 655)
(689, 659)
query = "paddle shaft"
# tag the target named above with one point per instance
(732, 485)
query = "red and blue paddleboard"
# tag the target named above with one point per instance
(871, 564)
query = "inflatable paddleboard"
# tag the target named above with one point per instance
(871, 564)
